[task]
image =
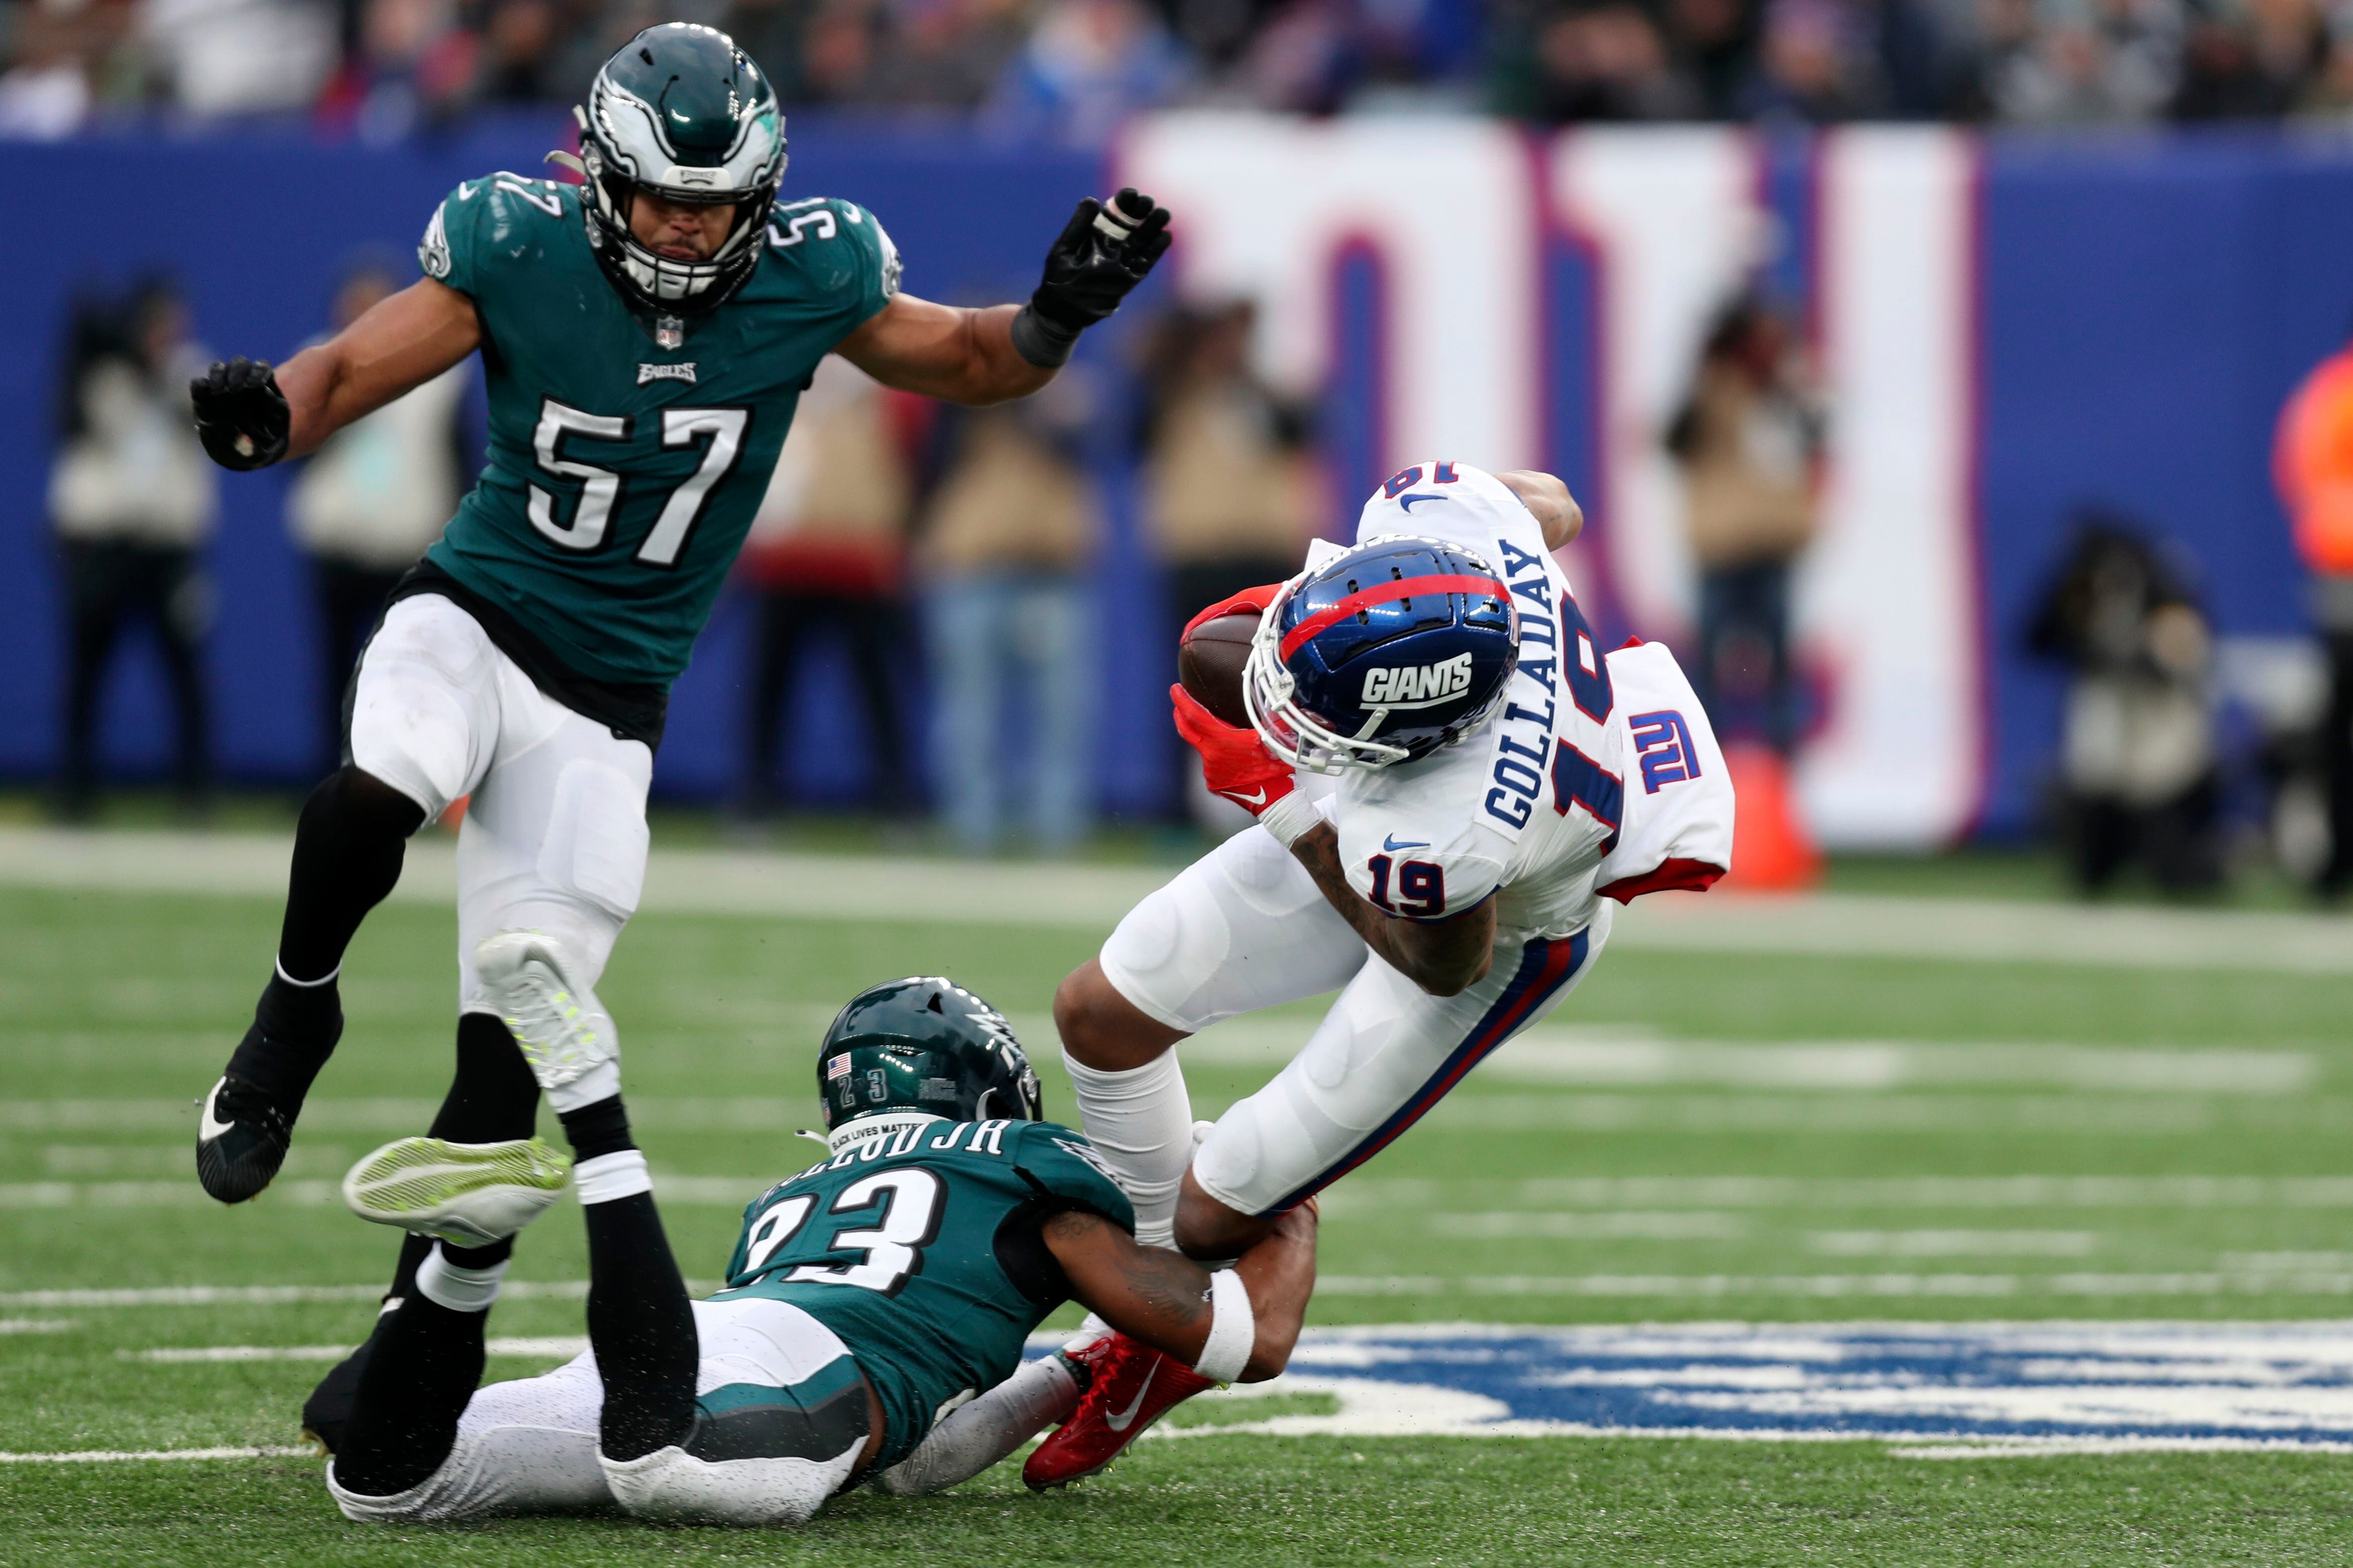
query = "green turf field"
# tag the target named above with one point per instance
(1697, 1137)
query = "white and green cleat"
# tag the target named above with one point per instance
(466, 1194)
(562, 1031)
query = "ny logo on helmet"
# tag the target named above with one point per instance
(1418, 685)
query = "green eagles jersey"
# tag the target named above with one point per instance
(920, 1249)
(623, 474)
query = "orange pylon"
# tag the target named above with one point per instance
(1771, 850)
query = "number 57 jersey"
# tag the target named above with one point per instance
(1598, 778)
(920, 1246)
(626, 455)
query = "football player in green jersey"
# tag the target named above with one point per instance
(645, 336)
(874, 1309)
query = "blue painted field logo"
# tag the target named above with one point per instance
(1938, 1391)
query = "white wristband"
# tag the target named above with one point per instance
(1289, 817)
(1233, 1329)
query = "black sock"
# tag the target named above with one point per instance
(295, 1028)
(599, 1129)
(404, 1418)
(414, 1250)
(493, 1098)
(639, 1321)
(347, 853)
(642, 1328)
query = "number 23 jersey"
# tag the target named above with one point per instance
(1596, 777)
(623, 474)
(921, 1247)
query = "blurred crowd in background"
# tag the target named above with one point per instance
(942, 557)
(933, 547)
(1071, 70)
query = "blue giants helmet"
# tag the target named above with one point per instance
(1401, 645)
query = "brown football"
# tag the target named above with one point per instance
(1209, 662)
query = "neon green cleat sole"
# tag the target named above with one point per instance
(469, 1193)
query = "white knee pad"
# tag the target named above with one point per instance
(670, 1483)
(424, 711)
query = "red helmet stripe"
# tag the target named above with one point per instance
(1382, 593)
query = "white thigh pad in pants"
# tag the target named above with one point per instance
(555, 837)
(1242, 928)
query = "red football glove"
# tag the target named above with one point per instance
(1234, 761)
(1256, 598)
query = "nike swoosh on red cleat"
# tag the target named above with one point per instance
(1119, 1422)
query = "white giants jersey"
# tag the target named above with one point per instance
(1596, 777)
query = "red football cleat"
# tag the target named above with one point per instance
(1132, 1386)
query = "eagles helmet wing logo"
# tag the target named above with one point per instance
(433, 251)
(1085, 1151)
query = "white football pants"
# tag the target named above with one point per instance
(530, 1446)
(1245, 926)
(555, 837)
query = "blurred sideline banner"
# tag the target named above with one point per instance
(2008, 329)
(2005, 329)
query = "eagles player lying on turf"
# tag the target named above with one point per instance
(645, 336)
(1499, 781)
(869, 1300)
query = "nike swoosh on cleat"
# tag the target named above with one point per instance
(207, 1128)
(1121, 1422)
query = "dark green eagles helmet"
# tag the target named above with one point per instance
(924, 1044)
(682, 112)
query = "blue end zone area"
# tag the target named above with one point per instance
(1981, 1387)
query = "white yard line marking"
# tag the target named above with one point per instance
(742, 1113)
(1474, 1110)
(723, 1192)
(1360, 1193)
(1957, 1244)
(286, 1294)
(563, 1347)
(1605, 1056)
(1093, 897)
(34, 1326)
(1634, 1224)
(122, 1455)
(1560, 1056)
(1833, 1286)
(2056, 1448)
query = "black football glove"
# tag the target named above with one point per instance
(1105, 251)
(241, 415)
